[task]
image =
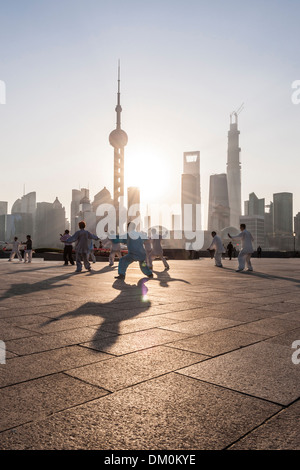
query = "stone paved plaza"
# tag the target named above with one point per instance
(197, 358)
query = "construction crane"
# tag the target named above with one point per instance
(236, 113)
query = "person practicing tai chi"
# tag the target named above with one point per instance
(28, 249)
(82, 238)
(247, 248)
(218, 248)
(115, 250)
(68, 256)
(157, 250)
(15, 250)
(136, 252)
(91, 253)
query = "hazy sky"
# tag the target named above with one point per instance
(185, 66)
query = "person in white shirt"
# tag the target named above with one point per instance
(15, 250)
(217, 245)
(247, 248)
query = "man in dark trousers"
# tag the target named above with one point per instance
(68, 256)
(230, 250)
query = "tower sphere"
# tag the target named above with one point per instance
(118, 138)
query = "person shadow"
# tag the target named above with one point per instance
(24, 288)
(164, 278)
(131, 301)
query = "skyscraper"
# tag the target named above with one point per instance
(218, 208)
(190, 184)
(118, 140)
(234, 172)
(283, 213)
(255, 206)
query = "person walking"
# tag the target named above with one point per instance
(244, 257)
(82, 238)
(68, 248)
(230, 250)
(28, 249)
(136, 252)
(217, 245)
(259, 250)
(15, 250)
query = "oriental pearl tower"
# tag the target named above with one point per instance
(118, 139)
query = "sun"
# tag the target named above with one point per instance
(148, 172)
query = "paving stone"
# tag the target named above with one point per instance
(38, 398)
(202, 325)
(280, 432)
(21, 369)
(264, 370)
(123, 371)
(204, 361)
(217, 342)
(56, 340)
(130, 342)
(269, 326)
(152, 415)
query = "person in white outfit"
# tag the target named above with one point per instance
(217, 245)
(157, 250)
(15, 250)
(115, 249)
(247, 248)
(91, 252)
(82, 238)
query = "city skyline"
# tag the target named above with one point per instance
(183, 72)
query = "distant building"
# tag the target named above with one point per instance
(118, 140)
(87, 214)
(254, 206)
(218, 207)
(133, 203)
(102, 197)
(234, 173)
(283, 213)
(190, 184)
(22, 218)
(3, 207)
(50, 222)
(77, 195)
(297, 229)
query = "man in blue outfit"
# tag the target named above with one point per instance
(136, 252)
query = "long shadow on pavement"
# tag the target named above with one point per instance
(263, 275)
(113, 312)
(27, 288)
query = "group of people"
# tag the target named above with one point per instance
(17, 252)
(140, 248)
(244, 257)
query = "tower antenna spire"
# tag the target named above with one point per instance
(118, 107)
